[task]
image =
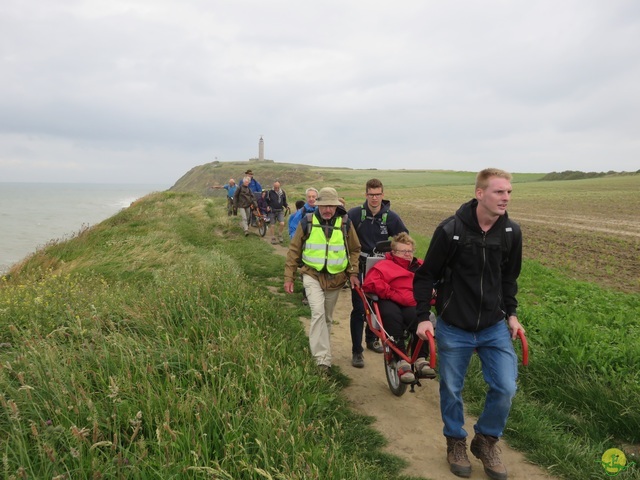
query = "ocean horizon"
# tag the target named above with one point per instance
(35, 214)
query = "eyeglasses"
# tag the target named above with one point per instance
(374, 195)
(405, 252)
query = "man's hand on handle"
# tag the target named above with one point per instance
(514, 326)
(424, 327)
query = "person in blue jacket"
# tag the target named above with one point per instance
(231, 189)
(254, 185)
(311, 194)
(292, 231)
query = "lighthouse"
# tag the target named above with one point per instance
(261, 149)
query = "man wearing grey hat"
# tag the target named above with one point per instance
(327, 248)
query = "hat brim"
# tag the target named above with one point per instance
(328, 203)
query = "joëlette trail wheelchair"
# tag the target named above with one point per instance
(375, 322)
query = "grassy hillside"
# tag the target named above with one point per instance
(148, 346)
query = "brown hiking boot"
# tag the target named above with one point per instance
(485, 447)
(459, 463)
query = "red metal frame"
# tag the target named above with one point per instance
(382, 335)
(525, 348)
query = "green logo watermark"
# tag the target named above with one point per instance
(614, 461)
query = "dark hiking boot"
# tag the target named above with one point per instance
(357, 360)
(459, 463)
(485, 447)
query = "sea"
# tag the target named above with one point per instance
(34, 214)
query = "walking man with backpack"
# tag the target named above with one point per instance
(474, 260)
(326, 246)
(277, 202)
(243, 202)
(374, 222)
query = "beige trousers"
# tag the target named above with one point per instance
(244, 218)
(322, 303)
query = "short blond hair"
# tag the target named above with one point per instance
(402, 237)
(483, 177)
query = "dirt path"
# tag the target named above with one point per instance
(416, 433)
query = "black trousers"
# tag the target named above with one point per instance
(397, 320)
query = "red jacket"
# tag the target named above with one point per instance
(392, 279)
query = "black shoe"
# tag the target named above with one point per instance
(357, 360)
(376, 346)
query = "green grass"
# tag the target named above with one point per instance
(146, 347)
(149, 347)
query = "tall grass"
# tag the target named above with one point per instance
(141, 349)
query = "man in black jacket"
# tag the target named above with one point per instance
(374, 222)
(276, 203)
(243, 202)
(476, 306)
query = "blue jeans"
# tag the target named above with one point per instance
(499, 369)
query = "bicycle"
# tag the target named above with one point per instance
(261, 221)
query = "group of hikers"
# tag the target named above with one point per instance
(249, 196)
(471, 268)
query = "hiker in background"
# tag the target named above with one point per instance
(476, 307)
(374, 222)
(311, 195)
(231, 189)
(254, 185)
(299, 205)
(277, 202)
(292, 231)
(263, 206)
(391, 280)
(256, 189)
(327, 247)
(243, 201)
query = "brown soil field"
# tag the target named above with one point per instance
(589, 234)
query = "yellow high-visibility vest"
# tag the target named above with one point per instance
(318, 252)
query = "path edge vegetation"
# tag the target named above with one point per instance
(149, 345)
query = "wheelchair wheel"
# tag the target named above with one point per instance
(393, 379)
(262, 227)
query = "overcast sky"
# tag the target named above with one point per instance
(141, 91)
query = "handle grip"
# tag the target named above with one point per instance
(525, 348)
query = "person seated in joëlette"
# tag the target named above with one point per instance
(391, 280)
